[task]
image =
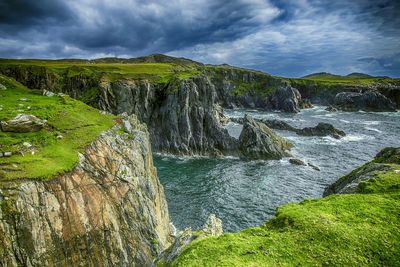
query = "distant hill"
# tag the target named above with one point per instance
(357, 75)
(154, 58)
(354, 75)
(321, 75)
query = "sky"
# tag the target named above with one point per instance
(289, 38)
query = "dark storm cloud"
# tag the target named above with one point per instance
(292, 37)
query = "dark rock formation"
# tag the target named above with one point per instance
(297, 162)
(110, 210)
(23, 123)
(313, 166)
(368, 101)
(286, 98)
(322, 129)
(257, 141)
(331, 109)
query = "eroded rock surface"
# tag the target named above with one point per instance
(23, 123)
(368, 101)
(257, 141)
(110, 210)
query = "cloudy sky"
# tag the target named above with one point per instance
(287, 38)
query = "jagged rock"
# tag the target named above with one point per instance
(331, 109)
(368, 101)
(305, 103)
(297, 162)
(313, 166)
(110, 210)
(257, 141)
(213, 226)
(23, 123)
(279, 125)
(2, 87)
(322, 129)
(286, 98)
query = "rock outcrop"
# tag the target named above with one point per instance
(23, 123)
(351, 183)
(212, 227)
(286, 98)
(257, 141)
(368, 101)
(110, 210)
(322, 129)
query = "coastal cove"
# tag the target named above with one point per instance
(246, 193)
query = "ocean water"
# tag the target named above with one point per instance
(246, 193)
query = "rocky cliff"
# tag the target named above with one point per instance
(110, 210)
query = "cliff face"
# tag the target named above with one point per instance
(109, 211)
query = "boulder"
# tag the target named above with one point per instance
(2, 87)
(331, 109)
(213, 226)
(322, 129)
(368, 101)
(257, 141)
(279, 125)
(23, 123)
(286, 98)
(297, 162)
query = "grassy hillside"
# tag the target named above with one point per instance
(352, 230)
(48, 156)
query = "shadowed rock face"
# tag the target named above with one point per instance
(109, 211)
(368, 101)
(286, 98)
(257, 141)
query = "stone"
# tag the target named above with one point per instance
(26, 144)
(2, 87)
(322, 129)
(20, 105)
(296, 162)
(314, 167)
(367, 101)
(47, 93)
(257, 141)
(331, 109)
(213, 226)
(286, 98)
(1, 154)
(23, 123)
(7, 154)
(23, 99)
(59, 136)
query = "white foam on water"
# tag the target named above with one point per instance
(371, 122)
(173, 228)
(373, 129)
(344, 121)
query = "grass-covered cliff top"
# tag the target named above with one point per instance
(342, 230)
(45, 156)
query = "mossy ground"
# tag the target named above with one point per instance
(78, 123)
(342, 230)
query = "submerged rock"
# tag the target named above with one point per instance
(331, 109)
(23, 123)
(368, 101)
(257, 141)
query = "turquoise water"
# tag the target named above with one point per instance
(246, 193)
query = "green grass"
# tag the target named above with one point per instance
(78, 123)
(341, 230)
